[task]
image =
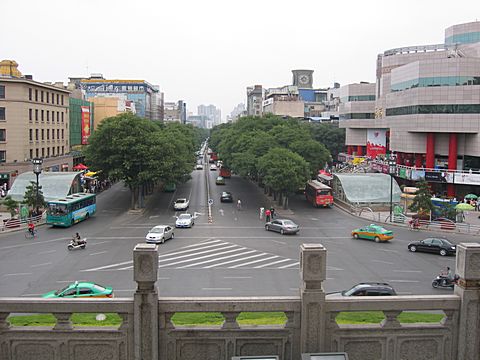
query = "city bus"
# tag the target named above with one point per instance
(71, 209)
(318, 194)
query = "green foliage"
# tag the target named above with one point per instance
(330, 135)
(11, 205)
(422, 203)
(30, 197)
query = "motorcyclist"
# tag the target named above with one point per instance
(448, 276)
(31, 227)
(76, 239)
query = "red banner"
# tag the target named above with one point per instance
(85, 124)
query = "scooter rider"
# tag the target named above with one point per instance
(448, 276)
(76, 239)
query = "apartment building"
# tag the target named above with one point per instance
(34, 122)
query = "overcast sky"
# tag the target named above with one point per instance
(208, 52)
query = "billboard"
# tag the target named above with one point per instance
(85, 124)
(376, 142)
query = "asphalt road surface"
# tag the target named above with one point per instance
(232, 256)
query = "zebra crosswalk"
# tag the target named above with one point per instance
(213, 254)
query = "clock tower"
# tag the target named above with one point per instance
(303, 79)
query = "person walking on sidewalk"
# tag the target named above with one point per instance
(272, 212)
(267, 215)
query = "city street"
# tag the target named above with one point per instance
(232, 256)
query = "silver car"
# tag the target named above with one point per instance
(185, 221)
(160, 233)
(283, 226)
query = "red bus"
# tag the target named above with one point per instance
(213, 157)
(225, 172)
(318, 194)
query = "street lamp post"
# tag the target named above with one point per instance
(37, 170)
(392, 165)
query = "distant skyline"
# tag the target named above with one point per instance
(209, 52)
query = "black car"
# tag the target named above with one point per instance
(433, 245)
(370, 289)
(226, 197)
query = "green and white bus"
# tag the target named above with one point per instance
(71, 209)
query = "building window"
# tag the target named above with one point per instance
(2, 92)
(62, 99)
(58, 116)
(62, 116)
(48, 134)
(3, 135)
(36, 114)
(58, 150)
(2, 113)
(53, 151)
(30, 94)
(58, 134)
(43, 152)
(48, 152)
(30, 114)
(58, 99)
(48, 97)
(41, 96)
(36, 95)
(63, 150)
(36, 135)
(63, 133)
(30, 134)
(31, 153)
(36, 152)
(3, 156)
(48, 115)
(43, 134)
(53, 134)
(42, 115)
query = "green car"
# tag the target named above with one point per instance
(373, 232)
(220, 180)
(81, 290)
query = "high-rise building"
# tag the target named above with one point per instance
(255, 100)
(211, 112)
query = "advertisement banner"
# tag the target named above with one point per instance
(85, 124)
(418, 174)
(376, 142)
(467, 178)
(434, 176)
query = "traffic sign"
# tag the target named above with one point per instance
(210, 201)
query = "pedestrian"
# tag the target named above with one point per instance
(262, 211)
(267, 215)
(272, 212)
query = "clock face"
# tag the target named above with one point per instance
(303, 79)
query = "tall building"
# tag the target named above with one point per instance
(34, 122)
(211, 112)
(147, 98)
(426, 111)
(254, 100)
(237, 112)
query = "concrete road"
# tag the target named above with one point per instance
(233, 255)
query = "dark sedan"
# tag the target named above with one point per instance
(433, 245)
(226, 197)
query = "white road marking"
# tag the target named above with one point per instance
(163, 278)
(407, 271)
(44, 264)
(153, 216)
(392, 251)
(46, 252)
(31, 294)
(194, 254)
(98, 253)
(202, 257)
(272, 263)
(290, 265)
(404, 281)
(279, 242)
(253, 262)
(237, 277)
(220, 289)
(117, 290)
(16, 274)
(110, 266)
(293, 289)
(216, 259)
(314, 219)
(333, 268)
(382, 262)
(32, 243)
(98, 243)
(69, 281)
(236, 260)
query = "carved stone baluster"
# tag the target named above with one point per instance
(168, 320)
(63, 321)
(4, 324)
(230, 320)
(290, 319)
(391, 320)
(447, 320)
(124, 325)
(332, 324)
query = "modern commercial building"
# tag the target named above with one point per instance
(283, 101)
(211, 112)
(147, 98)
(108, 106)
(427, 111)
(175, 111)
(34, 122)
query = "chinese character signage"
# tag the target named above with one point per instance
(376, 142)
(85, 124)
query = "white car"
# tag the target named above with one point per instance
(181, 204)
(185, 220)
(199, 167)
(160, 233)
(213, 167)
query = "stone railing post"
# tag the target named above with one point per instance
(313, 268)
(145, 302)
(468, 268)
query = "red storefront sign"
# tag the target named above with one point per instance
(85, 124)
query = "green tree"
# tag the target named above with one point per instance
(30, 197)
(422, 202)
(11, 205)
(330, 135)
(283, 171)
(313, 152)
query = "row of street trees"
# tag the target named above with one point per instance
(280, 153)
(140, 152)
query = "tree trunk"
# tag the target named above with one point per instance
(134, 197)
(285, 202)
(274, 196)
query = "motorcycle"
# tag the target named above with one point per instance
(79, 244)
(442, 281)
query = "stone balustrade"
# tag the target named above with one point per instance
(148, 332)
